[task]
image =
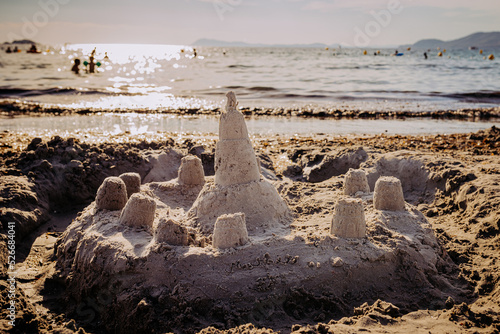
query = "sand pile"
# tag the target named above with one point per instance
(189, 264)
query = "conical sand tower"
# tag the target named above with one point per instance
(235, 161)
(238, 184)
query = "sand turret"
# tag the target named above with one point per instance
(388, 194)
(191, 171)
(112, 194)
(234, 149)
(230, 231)
(132, 181)
(139, 211)
(238, 184)
(356, 181)
(349, 219)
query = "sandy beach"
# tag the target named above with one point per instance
(432, 268)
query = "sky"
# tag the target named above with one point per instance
(349, 22)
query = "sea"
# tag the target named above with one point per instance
(136, 77)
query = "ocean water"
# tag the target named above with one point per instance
(165, 76)
(105, 124)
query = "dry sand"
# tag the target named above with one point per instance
(431, 268)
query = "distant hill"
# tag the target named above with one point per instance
(480, 40)
(214, 42)
(21, 41)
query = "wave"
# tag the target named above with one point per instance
(21, 92)
(298, 96)
(481, 96)
(240, 66)
(254, 88)
(262, 89)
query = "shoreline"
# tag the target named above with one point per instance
(13, 108)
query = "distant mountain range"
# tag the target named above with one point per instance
(22, 41)
(215, 42)
(480, 40)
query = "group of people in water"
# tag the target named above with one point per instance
(90, 66)
(32, 49)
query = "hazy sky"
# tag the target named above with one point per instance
(350, 22)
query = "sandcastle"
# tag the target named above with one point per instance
(349, 219)
(388, 194)
(238, 184)
(112, 194)
(230, 231)
(188, 245)
(356, 181)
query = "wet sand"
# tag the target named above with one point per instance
(46, 181)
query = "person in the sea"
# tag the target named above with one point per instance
(425, 55)
(8, 50)
(91, 62)
(195, 53)
(75, 67)
(16, 49)
(33, 49)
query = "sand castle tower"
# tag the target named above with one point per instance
(388, 194)
(112, 194)
(139, 211)
(355, 181)
(234, 148)
(132, 181)
(230, 231)
(349, 219)
(191, 171)
(238, 184)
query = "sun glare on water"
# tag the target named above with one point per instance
(135, 75)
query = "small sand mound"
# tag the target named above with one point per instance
(132, 181)
(356, 181)
(230, 231)
(112, 194)
(191, 171)
(349, 219)
(139, 211)
(388, 194)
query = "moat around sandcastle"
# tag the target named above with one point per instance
(228, 249)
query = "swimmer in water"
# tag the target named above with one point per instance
(75, 67)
